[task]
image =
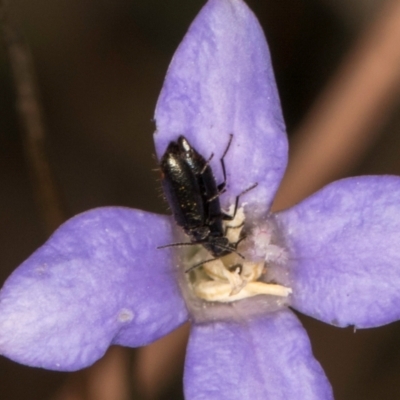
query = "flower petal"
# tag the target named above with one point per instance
(267, 357)
(98, 280)
(221, 82)
(344, 241)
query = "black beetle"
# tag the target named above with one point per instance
(193, 195)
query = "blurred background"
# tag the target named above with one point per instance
(99, 67)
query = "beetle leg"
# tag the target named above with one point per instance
(232, 227)
(222, 186)
(217, 195)
(228, 217)
(213, 259)
(237, 243)
(200, 264)
(231, 248)
(207, 163)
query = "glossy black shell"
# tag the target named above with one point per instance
(193, 195)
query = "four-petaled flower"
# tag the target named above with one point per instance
(101, 280)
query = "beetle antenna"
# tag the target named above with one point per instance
(200, 264)
(178, 245)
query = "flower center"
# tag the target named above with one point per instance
(255, 269)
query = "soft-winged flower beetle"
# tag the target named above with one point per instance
(193, 195)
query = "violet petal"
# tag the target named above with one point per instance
(98, 280)
(267, 357)
(221, 82)
(344, 241)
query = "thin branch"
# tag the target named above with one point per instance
(30, 114)
(344, 122)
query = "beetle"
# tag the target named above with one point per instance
(193, 194)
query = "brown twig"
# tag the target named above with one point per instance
(344, 121)
(30, 114)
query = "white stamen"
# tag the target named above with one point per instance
(219, 291)
(232, 278)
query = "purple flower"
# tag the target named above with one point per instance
(101, 280)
